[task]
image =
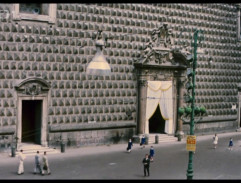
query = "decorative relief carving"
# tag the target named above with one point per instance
(32, 89)
(159, 49)
(33, 86)
(142, 82)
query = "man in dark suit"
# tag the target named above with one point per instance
(146, 163)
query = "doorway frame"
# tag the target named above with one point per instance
(33, 88)
(43, 136)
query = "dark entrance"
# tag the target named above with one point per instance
(156, 122)
(239, 118)
(31, 121)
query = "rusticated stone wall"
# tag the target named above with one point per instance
(59, 53)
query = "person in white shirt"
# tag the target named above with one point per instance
(21, 158)
(45, 163)
(215, 141)
(37, 164)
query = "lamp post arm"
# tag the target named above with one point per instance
(198, 119)
(183, 119)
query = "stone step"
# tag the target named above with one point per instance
(161, 138)
(165, 138)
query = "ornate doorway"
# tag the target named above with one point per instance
(161, 62)
(32, 107)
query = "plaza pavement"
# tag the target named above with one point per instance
(113, 162)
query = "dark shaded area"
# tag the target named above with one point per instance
(117, 138)
(156, 122)
(31, 121)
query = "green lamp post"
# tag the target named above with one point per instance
(192, 110)
(194, 65)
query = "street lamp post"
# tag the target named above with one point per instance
(194, 65)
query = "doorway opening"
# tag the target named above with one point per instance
(239, 118)
(31, 121)
(156, 122)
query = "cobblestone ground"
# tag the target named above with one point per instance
(113, 162)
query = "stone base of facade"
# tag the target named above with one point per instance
(92, 137)
(211, 127)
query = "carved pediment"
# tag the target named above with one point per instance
(32, 86)
(160, 51)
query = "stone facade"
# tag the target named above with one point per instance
(84, 109)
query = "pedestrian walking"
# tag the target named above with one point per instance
(21, 158)
(143, 141)
(130, 144)
(45, 164)
(146, 163)
(37, 164)
(230, 145)
(152, 152)
(215, 141)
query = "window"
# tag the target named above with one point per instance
(35, 12)
(39, 9)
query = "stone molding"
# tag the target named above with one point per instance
(90, 126)
(7, 130)
(216, 119)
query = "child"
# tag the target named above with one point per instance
(143, 141)
(129, 146)
(152, 153)
(230, 145)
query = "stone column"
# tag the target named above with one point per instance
(180, 93)
(142, 105)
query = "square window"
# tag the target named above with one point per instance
(35, 12)
(34, 8)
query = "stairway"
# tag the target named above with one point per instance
(31, 149)
(161, 138)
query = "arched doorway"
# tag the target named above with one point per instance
(156, 122)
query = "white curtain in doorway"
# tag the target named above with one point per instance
(160, 92)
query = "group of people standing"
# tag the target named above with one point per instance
(38, 167)
(148, 157)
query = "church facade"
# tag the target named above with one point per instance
(46, 96)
